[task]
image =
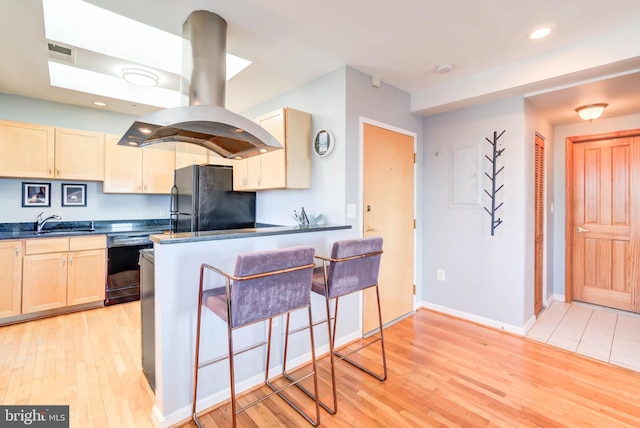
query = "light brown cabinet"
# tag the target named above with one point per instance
(10, 277)
(36, 151)
(289, 168)
(134, 170)
(60, 272)
(79, 155)
(191, 154)
(26, 150)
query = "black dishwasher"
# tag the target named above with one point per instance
(147, 315)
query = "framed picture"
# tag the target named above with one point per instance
(36, 194)
(74, 195)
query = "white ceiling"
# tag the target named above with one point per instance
(292, 42)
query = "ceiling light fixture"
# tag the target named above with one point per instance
(140, 77)
(100, 103)
(539, 33)
(591, 111)
(444, 68)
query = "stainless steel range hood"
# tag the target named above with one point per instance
(204, 121)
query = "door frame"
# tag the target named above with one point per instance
(543, 256)
(360, 215)
(569, 195)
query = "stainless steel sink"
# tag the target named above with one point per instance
(65, 232)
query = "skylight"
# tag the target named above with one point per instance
(83, 25)
(78, 79)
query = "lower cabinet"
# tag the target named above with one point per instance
(10, 277)
(60, 272)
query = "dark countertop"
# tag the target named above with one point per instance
(78, 228)
(266, 230)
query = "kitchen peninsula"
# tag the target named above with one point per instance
(178, 257)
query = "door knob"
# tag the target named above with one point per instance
(581, 230)
(370, 229)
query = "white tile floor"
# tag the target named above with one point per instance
(601, 333)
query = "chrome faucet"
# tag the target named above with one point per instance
(40, 222)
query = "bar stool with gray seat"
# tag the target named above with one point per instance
(265, 284)
(353, 266)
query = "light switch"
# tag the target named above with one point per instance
(440, 274)
(351, 210)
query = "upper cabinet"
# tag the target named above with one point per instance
(79, 155)
(192, 154)
(36, 151)
(26, 150)
(134, 170)
(289, 168)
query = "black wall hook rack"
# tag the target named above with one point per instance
(495, 222)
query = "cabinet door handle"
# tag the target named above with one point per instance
(17, 250)
(70, 260)
(64, 260)
(58, 170)
(50, 169)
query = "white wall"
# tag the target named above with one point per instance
(486, 277)
(100, 206)
(323, 98)
(537, 124)
(599, 126)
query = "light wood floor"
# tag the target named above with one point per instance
(442, 372)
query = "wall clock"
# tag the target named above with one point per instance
(323, 143)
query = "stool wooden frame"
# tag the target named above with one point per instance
(225, 292)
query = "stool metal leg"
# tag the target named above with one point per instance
(197, 356)
(380, 339)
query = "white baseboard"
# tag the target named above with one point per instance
(521, 331)
(212, 401)
(556, 297)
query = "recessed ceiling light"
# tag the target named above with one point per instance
(145, 130)
(100, 103)
(444, 68)
(539, 33)
(140, 77)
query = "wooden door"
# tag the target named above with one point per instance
(188, 154)
(538, 225)
(605, 209)
(10, 277)
(44, 283)
(271, 169)
(123, 167)
(26, 150)
(79, 155)
(86, 276)
(158, 169)
(388, 179)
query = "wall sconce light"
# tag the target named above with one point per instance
(139, 77)
(591, 111)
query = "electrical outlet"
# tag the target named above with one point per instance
(440, 274)
(351, 210)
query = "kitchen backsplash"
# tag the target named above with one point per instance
(100, 206)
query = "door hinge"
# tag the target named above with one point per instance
(414, 289)
(414, 158)
(414, 223)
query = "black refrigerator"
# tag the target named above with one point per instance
(202, 198)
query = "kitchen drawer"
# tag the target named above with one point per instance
(90, 242)
(46, 245)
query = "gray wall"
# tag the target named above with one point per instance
(486, 277)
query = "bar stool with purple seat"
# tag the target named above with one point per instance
(265, 284)
(353, 266)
